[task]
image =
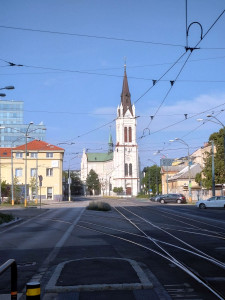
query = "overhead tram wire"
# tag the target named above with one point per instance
(91, 36)
(191, 50)
(142, 94)
(103, 37)
(115, 68)
(156, 81)
(178, 122)
(88, 132)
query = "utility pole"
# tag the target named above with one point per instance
(213, 171)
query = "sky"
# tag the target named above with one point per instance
(73, 53)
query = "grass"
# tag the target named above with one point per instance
(4, 218)
(99, 206)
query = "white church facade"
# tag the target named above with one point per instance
(119, 167)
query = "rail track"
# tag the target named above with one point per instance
(169, 242)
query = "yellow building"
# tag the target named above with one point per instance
(43, 161)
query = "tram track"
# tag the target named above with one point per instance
(181, 257)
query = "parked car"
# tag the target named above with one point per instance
(154, 198)
(215, 201)
(167, 198)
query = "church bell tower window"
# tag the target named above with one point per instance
(130, 134)
(130, 169)
(126, 169)
(125, 134)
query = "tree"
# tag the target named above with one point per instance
(118, 190)
(16, 190)
(76, 185)
(5, 189)
(92, 182)
(152, 179)
(218, 139)
(33, 186)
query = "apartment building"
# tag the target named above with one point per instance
(43, 160)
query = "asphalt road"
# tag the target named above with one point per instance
(65, 232)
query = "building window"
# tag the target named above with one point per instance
(33, 155)
(19, 155)
(49, 154)
(19, 172)
(130, 134)
(49, 172)
(130, 169)
(33, 172)
(49, 192)
(125, 134)
(126, 169)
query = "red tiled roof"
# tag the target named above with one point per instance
(5, 152)
(39, 145)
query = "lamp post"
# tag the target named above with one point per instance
(12, 177)
(219, 122)
(189, 166)
(69, 178)
(25, 191)
(1, 127)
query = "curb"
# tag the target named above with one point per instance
(144, 281)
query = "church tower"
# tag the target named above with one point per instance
(126, 160)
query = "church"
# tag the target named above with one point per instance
(119, 167)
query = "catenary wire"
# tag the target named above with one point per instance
(91, 36)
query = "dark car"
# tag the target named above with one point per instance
(167, 198)
(153, 198)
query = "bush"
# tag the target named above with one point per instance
(118, 190)
(100, 206)
(5, 218)
(142, 196)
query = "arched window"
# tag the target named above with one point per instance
(130, 134)
(130, 169)
(125, 134)
(126, 169)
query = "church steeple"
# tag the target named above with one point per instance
(125, 95)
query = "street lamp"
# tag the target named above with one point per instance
(12, 177)
(69, 178)
(1, 127)
(25, 191)
(9, 87)
(219, 122)
(189, 165)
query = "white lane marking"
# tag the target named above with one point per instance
(56, 249)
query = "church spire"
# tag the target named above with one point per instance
(125, 95)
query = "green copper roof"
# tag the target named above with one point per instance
(99, 157)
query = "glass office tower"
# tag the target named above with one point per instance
(11, 117)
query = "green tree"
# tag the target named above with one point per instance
(118, 190)
(92, 182)
(5, 189)
(152, 179)
(219, 168)
(16, 190)
(76, 185)
(32, 186)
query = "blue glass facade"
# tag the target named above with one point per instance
(11, 117)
